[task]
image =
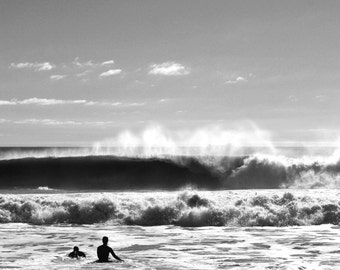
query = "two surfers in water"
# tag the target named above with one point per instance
(103, 252)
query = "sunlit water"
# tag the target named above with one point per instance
(169, 247)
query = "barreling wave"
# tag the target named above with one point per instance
(107, 172)
(186, 208)
(169, 173)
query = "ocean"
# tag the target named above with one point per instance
(251, 211)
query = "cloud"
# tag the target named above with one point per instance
(164, 100)
(75, 68)
(239, 79)
(54, 122)
(44, 101)
(40, 101)
(7, 102)
(45, 66)
(134, 104)
(79, 64)
(91, 66)
(2, 120)
(110, 72)
(102, 103)
(49, 102)
(21, 65)
(169, 69)
(107, 63)
(84, 73)
(57, 77)
(45, 122)
(90, 63)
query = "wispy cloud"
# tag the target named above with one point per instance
(169, 69)
(134, 104)
(91, 64)
(50, 102)
(122, 104)
(45, 66)
(45, 101)
(7, 102)
(40, 101)
(164, 100)
(44, 122)
(84, 73)
(238, 79)
(54, 122)
(110, 72)
(57, 77)
(108, 63)
(102, 103)
(2, 120)
(75, 68)
(76, 62)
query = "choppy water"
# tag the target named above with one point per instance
(26, 246)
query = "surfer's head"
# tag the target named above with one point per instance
(105, 240)
(75, 248)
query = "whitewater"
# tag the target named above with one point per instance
(253, 210)
(187, 229)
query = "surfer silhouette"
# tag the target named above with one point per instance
(76, 253)
(104, 251)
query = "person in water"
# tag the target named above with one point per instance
(76, 253)
(104, 251)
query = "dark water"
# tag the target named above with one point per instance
(104, 172)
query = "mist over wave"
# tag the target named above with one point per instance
(214, 141)
(184, 208)
(159, 142)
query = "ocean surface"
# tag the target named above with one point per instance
(251, 211)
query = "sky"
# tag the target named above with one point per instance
(77, 72)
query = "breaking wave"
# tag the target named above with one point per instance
(185, 208)
(208, 172)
